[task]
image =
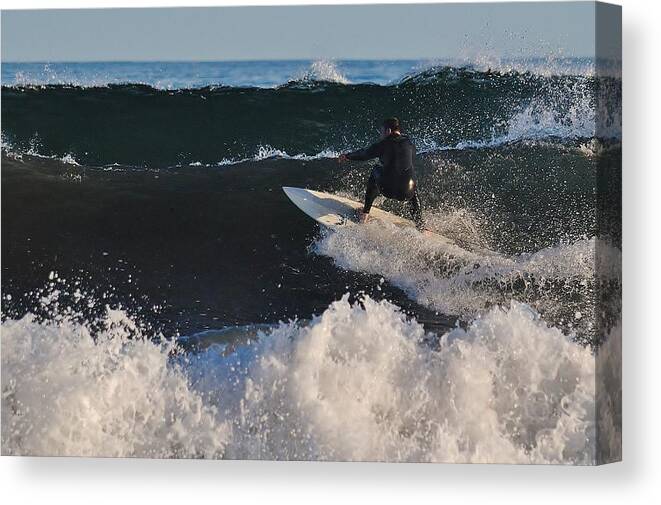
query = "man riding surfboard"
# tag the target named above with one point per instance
(395, 176)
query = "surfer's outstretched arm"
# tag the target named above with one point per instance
(373, 151)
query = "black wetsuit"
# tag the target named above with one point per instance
(395, 177)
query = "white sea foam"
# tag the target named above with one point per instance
(356, 383)
(267, 152)
(536, 123)
(65, 393)
(588, 114)
(448, 278)
(33, 150)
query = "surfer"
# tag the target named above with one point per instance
(394, 177)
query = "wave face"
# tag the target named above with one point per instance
(142, 126)
(218, 230)
(357, 383)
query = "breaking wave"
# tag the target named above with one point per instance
(441, 275)
(359, 382)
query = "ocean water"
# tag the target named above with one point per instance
(264, 74)
(161, 297)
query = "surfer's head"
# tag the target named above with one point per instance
(390, 126)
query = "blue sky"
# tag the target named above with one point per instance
(424, 31)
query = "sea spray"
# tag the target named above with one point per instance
(322, 71)
(359, 382)
(451, 279)
(66, 392)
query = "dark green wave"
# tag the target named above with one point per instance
(139, 125)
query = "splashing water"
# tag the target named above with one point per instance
(324, 71)
(358, 382)
(67, 393)
(453, 280)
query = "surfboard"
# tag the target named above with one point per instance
(334, 210)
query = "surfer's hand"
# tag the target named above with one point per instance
(342, 158)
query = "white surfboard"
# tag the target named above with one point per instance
(333, 211)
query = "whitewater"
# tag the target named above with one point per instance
(358, 382)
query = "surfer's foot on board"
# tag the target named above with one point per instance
(361, 216)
